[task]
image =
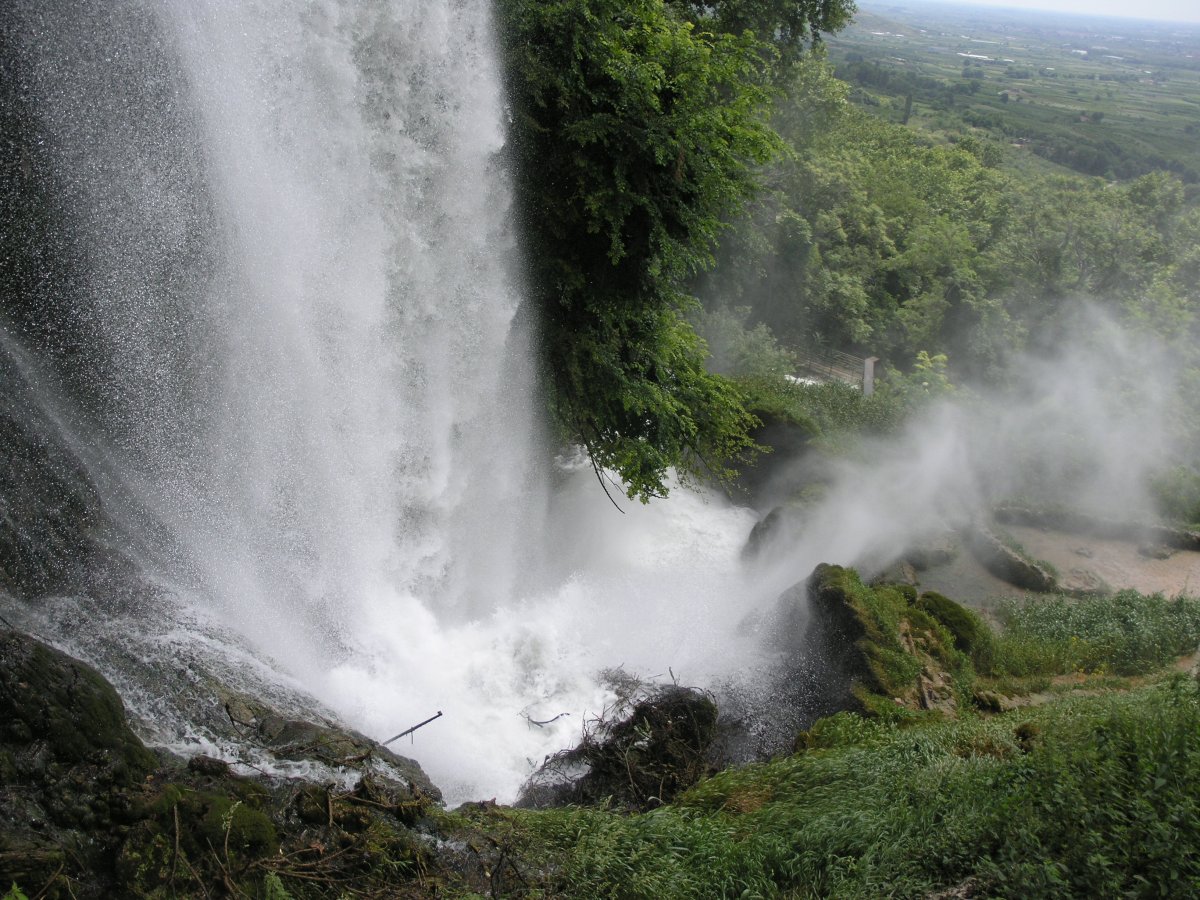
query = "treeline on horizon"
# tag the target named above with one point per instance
(668, 151)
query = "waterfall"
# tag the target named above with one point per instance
(278, 320)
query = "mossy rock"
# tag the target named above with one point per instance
(29, 859)
(70, 764)
(971, 634)
(786, 432)
(232, 824)
(48, 697)
(866, 623)
(873, 650)
(1008, 561)
(147, 860)
(87, 812)
(330, 744)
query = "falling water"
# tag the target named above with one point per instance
(286, 341)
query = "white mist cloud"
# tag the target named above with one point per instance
(1082, 427)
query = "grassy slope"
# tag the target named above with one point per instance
(1094, 793)
(1093, 796)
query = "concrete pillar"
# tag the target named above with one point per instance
(869, 375)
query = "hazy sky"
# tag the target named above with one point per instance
(1173, 10)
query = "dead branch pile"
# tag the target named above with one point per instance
(650, 744)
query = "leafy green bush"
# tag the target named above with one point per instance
(971, 634)
(735, 349)
(831, 410)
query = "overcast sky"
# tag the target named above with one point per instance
(1171, 10)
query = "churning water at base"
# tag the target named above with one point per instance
(299, 372)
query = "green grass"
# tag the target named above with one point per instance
(1095, 796)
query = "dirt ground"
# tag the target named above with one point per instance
(1080, 559)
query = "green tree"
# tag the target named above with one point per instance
(786, 25)
(636, 137)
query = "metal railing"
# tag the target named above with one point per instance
(831, 364)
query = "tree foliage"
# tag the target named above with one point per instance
(786, 25)
(637, 135)
(875, 239)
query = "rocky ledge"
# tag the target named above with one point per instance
(88, 811)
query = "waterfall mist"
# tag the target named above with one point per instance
(1082, 425)
(279, 323)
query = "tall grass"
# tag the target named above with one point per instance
(1127, 634)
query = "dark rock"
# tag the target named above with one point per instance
(783, 471)
(329, 744)
(50, 701)
(820, 634)
(56, 535)
(832, 641)
(70, 761)
(938, 550)
(207, 765)
(1010, 564)
(771, 533)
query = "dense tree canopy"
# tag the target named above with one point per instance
(786, 25)
(876, 239)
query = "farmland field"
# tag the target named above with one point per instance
(1101, 96)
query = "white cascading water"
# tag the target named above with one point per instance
(375, 406)
(338, 426)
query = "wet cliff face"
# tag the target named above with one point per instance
(80, 170)
(101, 199)
(50, 512)
(46, 501)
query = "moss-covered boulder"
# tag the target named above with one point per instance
(70, 764)
(1007, 560)
(53, 704)
(873, 649)
(971, 634)
(326, 743)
